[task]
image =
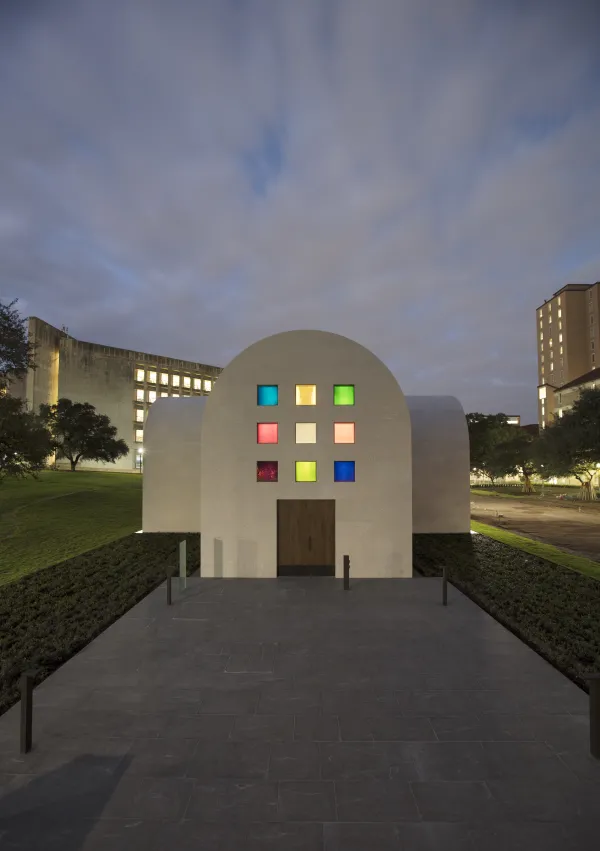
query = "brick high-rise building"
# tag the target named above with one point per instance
(567, 345)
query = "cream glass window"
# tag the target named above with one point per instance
(151, 378)
(207, 384)
(139, 415)
(175, 395)
(139, 435)
(152, 396)
(175, 380)
(139, 395)
(197, 384)
(164, 394)
(139, 375)
(164, 378)
(187, 381)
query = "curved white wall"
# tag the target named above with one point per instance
(171, 495)
(238, 515)
(440, 464)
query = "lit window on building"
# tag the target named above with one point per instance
(164, 378)
(139, 435)
(207, 385)
(175, 395)
(139, 395)
(164, 394)
(175, 380)
(187, 381)
(151, 378)
(139, 375)
(558, 301)
(152, 396)
(139, 415)
(197, 384)
(559, 313)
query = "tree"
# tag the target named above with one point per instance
(17, 353)
(519, 455)
(79, 433)
(25, 443)
(488, 434)
(570, 446)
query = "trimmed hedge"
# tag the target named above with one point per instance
(49, 616)
(551, 608)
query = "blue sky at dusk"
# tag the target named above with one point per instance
(186, 177)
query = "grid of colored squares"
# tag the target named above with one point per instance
(306, 394)
(305, 432)
(306, 471)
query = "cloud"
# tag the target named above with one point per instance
(188, 177)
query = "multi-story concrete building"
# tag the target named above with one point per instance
(567, 345)
(120, 383)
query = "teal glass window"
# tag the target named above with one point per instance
(268, 394)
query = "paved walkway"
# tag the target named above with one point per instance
(291, 716)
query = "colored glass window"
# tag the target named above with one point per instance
(306, 471)
(343, 471)
(306, 394)
(343, 432)
(268, 394)
(266, 432)
(343, 394)
(306, 432)
(267, 471)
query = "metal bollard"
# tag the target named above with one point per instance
(169, 577)
(594, 681)
(346, 573)
(182, 565)
(26, 711)
(445, 585)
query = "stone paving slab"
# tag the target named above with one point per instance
(292, 716)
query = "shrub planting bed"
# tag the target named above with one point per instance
(49, 616)
(551, 608)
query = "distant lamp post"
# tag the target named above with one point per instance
(140, 459)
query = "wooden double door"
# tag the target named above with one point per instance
(306, 537)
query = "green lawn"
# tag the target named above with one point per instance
(536, 548)
(63, 514)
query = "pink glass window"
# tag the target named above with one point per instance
(266, 471)
(267, 432)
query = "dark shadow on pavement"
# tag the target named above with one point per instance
(57, 810)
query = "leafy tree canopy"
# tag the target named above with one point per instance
(80, 433)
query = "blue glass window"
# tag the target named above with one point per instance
(343, 471)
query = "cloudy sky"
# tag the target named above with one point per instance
(186, 177)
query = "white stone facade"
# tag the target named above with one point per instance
(202, 467)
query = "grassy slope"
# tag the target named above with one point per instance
(63, 514)
(536, 548)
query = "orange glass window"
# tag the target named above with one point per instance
(343, 432)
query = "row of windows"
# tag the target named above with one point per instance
(151, 395)
(306, 394)
(305, 471)
(305, 432)
(151, 378)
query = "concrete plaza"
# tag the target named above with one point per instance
(290, 715)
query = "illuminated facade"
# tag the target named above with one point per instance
(121, 383)
(567, 347)
(306, 451)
